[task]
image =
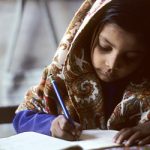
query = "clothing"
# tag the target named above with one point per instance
(79, 85)
(28, 120)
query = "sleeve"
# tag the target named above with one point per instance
(38, 109)
(28, 120)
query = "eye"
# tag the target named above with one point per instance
(104, 48)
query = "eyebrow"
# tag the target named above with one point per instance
(103, 38)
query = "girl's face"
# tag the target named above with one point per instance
(115, 53)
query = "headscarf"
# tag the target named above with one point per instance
(78, 83)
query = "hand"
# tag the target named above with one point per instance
(61, 128)
(139, 134)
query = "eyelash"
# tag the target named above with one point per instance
(105, 49)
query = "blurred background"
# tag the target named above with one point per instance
(30, 31)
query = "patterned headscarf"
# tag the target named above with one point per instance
(78, 83)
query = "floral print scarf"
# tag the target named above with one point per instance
(79, 86)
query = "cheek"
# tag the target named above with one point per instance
(133, 65)
(97, 59)
(128, 69)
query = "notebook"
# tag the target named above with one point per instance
(90, 139)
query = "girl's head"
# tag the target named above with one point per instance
(121, 44)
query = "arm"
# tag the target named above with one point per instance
(38, 107)
(138, 133)
(28, 120)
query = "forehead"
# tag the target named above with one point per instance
(118, 38)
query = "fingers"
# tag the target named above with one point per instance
(128, 136)
(59, 133)
(61, 128)
(65, 135)
(64, 124)
(131, 136)
(144, 141)
(78, 130)
(122, 135)
(133, 139)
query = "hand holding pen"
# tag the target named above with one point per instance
(63, 126)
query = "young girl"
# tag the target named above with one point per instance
(101, 69)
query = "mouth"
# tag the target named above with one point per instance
(105, 74)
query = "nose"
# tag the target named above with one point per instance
(111, 61)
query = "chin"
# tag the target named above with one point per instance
(110, 78)
(107, 79)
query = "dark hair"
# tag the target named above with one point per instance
(132, 16)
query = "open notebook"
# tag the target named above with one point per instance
(90, 139)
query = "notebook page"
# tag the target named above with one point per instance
(90, 139)
(32, 141)
(94, 139)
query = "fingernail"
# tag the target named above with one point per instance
(140, 143)
(114, 140)
(118, 141)
(127, 143)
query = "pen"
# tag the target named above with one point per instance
(61, 102)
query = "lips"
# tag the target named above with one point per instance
(106, 74)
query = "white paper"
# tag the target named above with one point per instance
(90, 139)
(94, 139)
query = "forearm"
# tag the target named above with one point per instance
(31, 121)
